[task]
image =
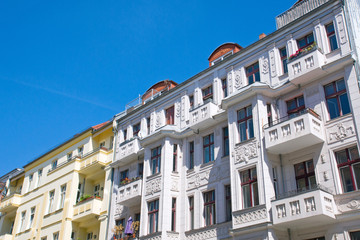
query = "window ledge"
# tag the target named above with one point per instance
(189, 171)
(207, 164)
(245, 141)
(333, 53)
(153, 176)
(338, 119)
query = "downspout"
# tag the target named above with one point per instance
(289, 233)
(112, 177)
(282, 173)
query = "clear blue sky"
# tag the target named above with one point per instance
(67, 65)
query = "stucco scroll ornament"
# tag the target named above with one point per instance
(245, 152)
(265, 65)
(153, 186)
(120, 210)
(229, 79)
(178, 110)
(175, 185)
(354, 204)
(238, 82)
(342, 132)
(158, 120)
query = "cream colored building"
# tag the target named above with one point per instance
(62, 194)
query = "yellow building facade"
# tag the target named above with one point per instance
(62, 194)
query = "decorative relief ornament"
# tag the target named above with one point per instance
(265, 65)
(175, 185)
(153, 186)
(238, 81)
(341, 132)
(354, 204)
(178, 110)
(250, 216)
(158, 120)
(245, 152)
(272, 63)
(229, 79)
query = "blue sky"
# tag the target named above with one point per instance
(67, 65)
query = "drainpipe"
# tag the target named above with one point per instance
(289, 233)
(282, 173)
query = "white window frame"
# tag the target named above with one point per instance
(62, 195)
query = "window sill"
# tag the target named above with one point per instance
(207, 164)
(190, 171)
(338, 119)
(153, 176)
(53, 213)
(245, 141)
(333, 53)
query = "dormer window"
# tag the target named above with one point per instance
(223, 51)
(221, 58)
(207, 93)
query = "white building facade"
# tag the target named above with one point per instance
(262, 145)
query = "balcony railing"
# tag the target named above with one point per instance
(203, 115)
(10, 202)
(87, 210)
(287, 117)
(128, 148)
(6, 237)
(130, 192)
(298, 11)
(301, 191)
(250, 216)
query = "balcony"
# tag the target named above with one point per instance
(130, 193)
(10, 202)
(203, 116)
(304, 209)
(87, 210)
(128, 150)
(93, 161)
(306, 64)
(293, 133)
(250, 216)
(6, 237)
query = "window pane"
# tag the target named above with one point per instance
(241, 114)
(255, 194)
(244, 176)
(310, 38)
(251, 79)
(246, 197)
(299, 169)
(344, 103)
(312, 182)
(301, 184)
(251, 128)
(301, 101)
(333, 108)
(355, 235)
(329, 89)
(212, 153)
(309, 166)
(346, 179)
(356, 168)
(291, 104)
(354, 154)
(333, 42)
(257, 76)
(242, 131)
(341, 157)
(206, 155)
(249, 111)
(340, 85)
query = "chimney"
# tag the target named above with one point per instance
(261, 36)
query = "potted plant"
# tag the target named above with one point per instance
(135, 228)
(118, 230)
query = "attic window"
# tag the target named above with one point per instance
(219, 59)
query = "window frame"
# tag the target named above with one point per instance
(191, 155)
(62, 195)
(349, 163)
(306, 176)
(253, 191)
(191, 212)
(210, 205)
(249, 130)
(155, 160)
(224, 87)
(153, 216)
(228, 207)
(173, 215)
(51, 201)
(210, 146)
(136, 129)
(298, 107)
(170, 115)
(307, 41)
(226, 144)
(330, 36)
(337, 95)
(207, 93)
(175, 157)
(253, 73)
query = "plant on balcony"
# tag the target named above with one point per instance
(118, 230)
(135, 228)
(129, 180)
(302, 51)
(87, 197)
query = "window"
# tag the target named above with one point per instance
(208, 147)
(295, 106)
(305, 41)
(89, 236)
(355, 235)
(225, 141)
(31, 176)
(228, 210)
(275, 181)
(170, 116)
(305, 175)
(51, 201)
(140, 169)
(124, 175)
(207, 93)
(245, 123)
(137, 217)
(32, 215)
(283, 57)
(348, 162)
(102, 144)
(173, 215)
(136, 129)
(175, 158)
(111, 142)
(155, 160)
(72, 236)
(125, 134)
(252, 73)
(97, 190)
(80, 151)
(336, 99)
(120, 222)
(209, 208)
(22, 220)
(191, 99)
(54, 164)
(56, 236)
(62, 195)
(79, 192)
(44, 238)
(148, 125)
(39, 177)
(330, 32)
(153, 215)
(249, 188)
(191, 154)
(69, 156)
(269, 114)
(224, 87)
(191, 211)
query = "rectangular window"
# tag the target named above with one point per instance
(330, 32)
(102, 144)
(148, 125)
(173, 215)
(136, 129)
(51, 201)
(31, 177)
(62, 195)
(97, 190)
(124, 175)
(269, 114)
(72, 236)
(191, 100)
(305, 41)
(54, 164)
(125, 134)
(245, 123)
(191, 154)
(355, 235)
(224, 87)
(209, 208)
(249, 188)
(191, 212)
(137, 217)
(170, 116)
(56, 236)
(174, 169)
(228, 210)
(89, 236)
(283, 56)
(39, 177)
(140, 169)
(348, 162)
(69, 156)
(207, 94)
(305, 175)
(22, 220)
(156, 160)
(295, 105)
(208, 148)
(111, 142)
(252, 73)
(32, 215)
(275, 181)
(336, 99)
(80, 151)
(153, 208)
(226, 141)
